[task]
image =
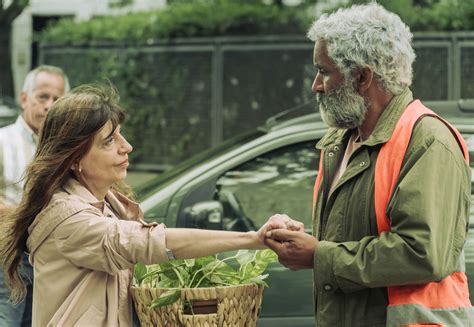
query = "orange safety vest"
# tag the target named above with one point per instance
(423, 300)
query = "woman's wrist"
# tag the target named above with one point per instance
(256, 240)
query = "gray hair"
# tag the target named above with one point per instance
(368, 35)
(30, 79)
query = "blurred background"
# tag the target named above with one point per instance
(193, 73)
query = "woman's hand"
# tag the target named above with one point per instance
(279, 221)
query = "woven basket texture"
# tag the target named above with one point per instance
(237, 305)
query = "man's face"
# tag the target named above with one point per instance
(340, 104)
(47, 88)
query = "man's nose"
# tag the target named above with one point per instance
(48, 104)
(317, 84)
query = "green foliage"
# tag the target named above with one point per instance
(432, 15)
(169, 94)
(166, 298)
(204, 272)
(197, 19)
(120, 3)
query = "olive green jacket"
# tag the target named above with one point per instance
(429, 212)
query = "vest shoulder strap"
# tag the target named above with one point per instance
(391, 156)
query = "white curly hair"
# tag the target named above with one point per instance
(368, 35)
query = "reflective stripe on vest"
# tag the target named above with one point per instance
(444, 303)
(416, 303)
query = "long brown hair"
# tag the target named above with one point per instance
(66, 136)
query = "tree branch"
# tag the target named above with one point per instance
(9, 14)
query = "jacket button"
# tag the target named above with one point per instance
(336, 148)
(362, 164)
(330, 154)
(327, 287)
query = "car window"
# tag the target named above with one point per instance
(245, 197)
(169, 176)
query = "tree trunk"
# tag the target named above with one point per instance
(6, 75)
(7, 16)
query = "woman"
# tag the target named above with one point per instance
(84, 236)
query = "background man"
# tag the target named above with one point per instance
(381, 240)
(42, 86)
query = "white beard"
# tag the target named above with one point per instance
(342, 107)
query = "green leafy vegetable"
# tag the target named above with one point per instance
(245, 267)
(166, 298)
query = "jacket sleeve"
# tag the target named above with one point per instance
(107, 244)
(429, 212)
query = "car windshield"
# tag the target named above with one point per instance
(168, 176)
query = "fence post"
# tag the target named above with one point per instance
(217, 94)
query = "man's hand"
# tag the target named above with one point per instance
(295, 250)
(279, 222)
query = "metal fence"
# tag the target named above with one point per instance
(187, 95)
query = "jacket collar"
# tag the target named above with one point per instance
(389, 118)
(125, 208)
(382, 131)
(73, 187)
(74, 198)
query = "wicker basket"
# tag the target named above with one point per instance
(236, 306)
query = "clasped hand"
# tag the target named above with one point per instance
(285, 236)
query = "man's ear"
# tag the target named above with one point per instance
(23, 99)
(364, 78)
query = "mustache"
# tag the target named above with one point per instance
(342, 107)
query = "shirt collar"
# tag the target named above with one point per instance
(20, 121)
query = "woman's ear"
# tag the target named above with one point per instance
(364, 78)
(76, 167)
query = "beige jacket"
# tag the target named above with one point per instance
(82, 251)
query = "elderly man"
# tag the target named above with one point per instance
(391, 201)
(41, 88)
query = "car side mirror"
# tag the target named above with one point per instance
(207, 215)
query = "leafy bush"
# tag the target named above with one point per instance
(198, 19)
(227, 17)
(170, 94)
(432, 15)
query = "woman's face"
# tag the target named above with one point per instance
(107, 160)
